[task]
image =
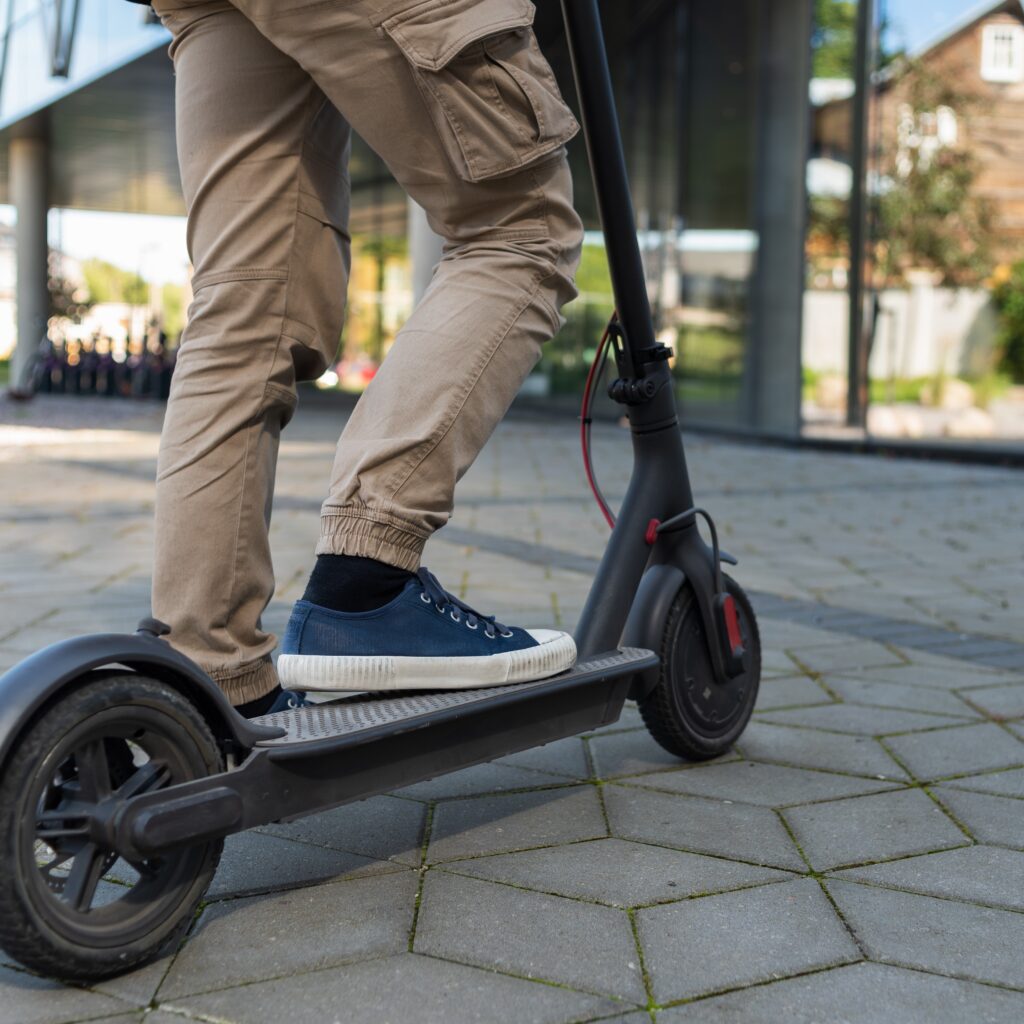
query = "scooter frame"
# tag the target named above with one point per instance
(287, 766)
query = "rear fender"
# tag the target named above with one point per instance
(35, 682)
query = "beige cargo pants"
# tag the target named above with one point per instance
(458, 101)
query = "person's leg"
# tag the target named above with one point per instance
(457, 99)
(263, 157)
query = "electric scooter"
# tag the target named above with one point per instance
(121, 758)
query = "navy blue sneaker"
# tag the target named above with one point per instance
(288, 700)
(424, 639)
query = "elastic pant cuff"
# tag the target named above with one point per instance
(246, 682)
(344, 533)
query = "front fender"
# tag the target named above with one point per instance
(647, 616)
(34, 682)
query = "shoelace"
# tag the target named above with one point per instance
(434, 593)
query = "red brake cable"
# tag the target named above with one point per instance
(593, 376)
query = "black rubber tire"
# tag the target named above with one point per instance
(669, 710)
(31, 932)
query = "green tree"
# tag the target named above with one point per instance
(108, 283)
(928, 213)
(172, 298)
(834, 38)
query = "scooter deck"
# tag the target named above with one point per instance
(366, 716)
(339, 751)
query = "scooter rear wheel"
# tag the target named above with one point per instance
(69, 906)
(689, 712)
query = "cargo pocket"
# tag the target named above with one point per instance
(490, 91)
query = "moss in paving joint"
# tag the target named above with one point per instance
(793, 839)
(949, 814)
(842, 917)
(945, 897)
(644, 975)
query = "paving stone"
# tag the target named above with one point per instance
(939, 935)
(898, 695)
(740, 831)
(27, 999)
(515, 821)
(384, 827)
(618, 873)
(247, 940)
(529, 934)
(990, 819)
(977, 874)
(937, 673)
(1017, 728)
(769, 785)
(139, 986)
(256, 862)
(808, 748)
(856, 720)
(859, 654)
(1000, 783)
(859, 994)
(740, 938)
(945, 752)
(870, 828)
(999, 702)
(399, 990)
(563, 757)
(630, 753)
(481, 778)
(790, 691)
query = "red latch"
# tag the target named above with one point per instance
(651, 533)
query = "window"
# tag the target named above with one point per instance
(1002, 53)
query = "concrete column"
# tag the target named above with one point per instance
(29, 158)
(772, 384)
(424, 250)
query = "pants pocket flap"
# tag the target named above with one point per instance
(432, 33)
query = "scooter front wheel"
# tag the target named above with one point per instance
(689, 712)
(70, 907)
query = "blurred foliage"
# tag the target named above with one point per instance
(108, 283)
(834, 38)
(172, 300)
(1008, 292)
(67, 299)
(928, 215)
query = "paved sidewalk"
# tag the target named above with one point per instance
(859, 857)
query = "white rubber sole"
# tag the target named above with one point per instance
(363, 672)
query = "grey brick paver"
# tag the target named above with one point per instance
(862, 993)
(1000, 702)
(790, 691)
(247, 940)
(564, 757)
(860, 721)
(990, 819)
(26, 999)
(740, 831)
(870, 828)
(768, 785)
(480, 779)
(413, 988)
(939, 935)
(999, 783)
(946, 752)
(630, 753)
(383, 827)
(977, 874)
(861, 690)
(514, 821)
(618, 873)
(529, 934)
(808, 748)
(739, 938)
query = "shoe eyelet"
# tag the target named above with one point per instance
(440, 608)
(454, 617)
(507, 634)
(474, 626)
(490, 636)
(424, 599)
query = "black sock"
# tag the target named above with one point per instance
(351, 583)
(259, 706)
